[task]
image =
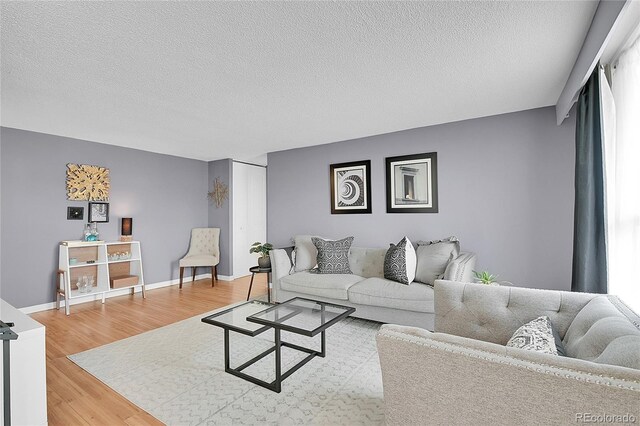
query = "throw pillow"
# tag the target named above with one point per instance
(536, 335)
(333, 256)
(433, 258)
(400, 262)
(305, 253)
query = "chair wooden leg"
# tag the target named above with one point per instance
(193, 273)
(213, 275)
(215, 270)
(59, 284)
(181, 275)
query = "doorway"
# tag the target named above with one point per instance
(249, 218)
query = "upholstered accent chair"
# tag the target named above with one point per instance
(204, 251)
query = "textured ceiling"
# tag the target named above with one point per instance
(215, 80)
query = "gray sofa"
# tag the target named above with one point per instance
(462, 373)
(374, 297)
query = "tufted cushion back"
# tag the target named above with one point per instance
(204, 241)
(494, 313)
(601, 333)
(367, 262)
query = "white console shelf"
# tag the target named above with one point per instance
(78, 259)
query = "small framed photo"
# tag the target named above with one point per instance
(75, 213)
(412, 183)
(99, 212)
(351, 187)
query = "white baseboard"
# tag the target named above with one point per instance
(114, 293)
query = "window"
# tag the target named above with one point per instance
(622, 172)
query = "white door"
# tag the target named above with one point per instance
(249, 214)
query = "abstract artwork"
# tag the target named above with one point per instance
(412, 183)
(85, 182)
(75, 213)
(351, 187)
(99, 212)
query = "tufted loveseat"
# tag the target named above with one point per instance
(463, 373)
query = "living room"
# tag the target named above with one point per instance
(243, 117)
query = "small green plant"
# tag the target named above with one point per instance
(261, 249)
(485, 277)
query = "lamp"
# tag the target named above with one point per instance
(126, 229)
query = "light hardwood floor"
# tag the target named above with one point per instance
(76, 397)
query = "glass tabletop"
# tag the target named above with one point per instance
(302, 316)
(236, 318)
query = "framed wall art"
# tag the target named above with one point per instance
(351, 187)
(75, 213)
(99, 212)
(86, 182)
(412, 183)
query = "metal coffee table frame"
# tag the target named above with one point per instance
(276, 385)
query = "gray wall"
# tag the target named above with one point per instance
(221, 217)
(505, 190)
(165, 195)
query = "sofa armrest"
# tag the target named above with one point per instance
(461, 268)
(280, 267)
(455, 380)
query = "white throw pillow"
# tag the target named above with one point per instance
(306, 254)
(536, 335)
(433, 258)
(400, 262)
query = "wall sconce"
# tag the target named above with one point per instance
(126, 229)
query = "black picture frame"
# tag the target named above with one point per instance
(350, 187)
(99, 212)
(416, 178)
(75, 213)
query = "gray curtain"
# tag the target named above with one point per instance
(589, 251)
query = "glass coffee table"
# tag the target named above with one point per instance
(299, 315)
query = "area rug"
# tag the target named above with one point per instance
(176, 374)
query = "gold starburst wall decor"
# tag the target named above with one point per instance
(85, 182)
(219, 193)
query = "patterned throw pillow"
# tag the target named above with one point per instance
(333, 256)
(536, 335)
(400, 262)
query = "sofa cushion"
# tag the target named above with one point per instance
(367, 262)
(333, 286)
(390, 294)
(536, 335)
(433, 258)
(601, 333)
(304, 254)
(400, 262)
(333, 256)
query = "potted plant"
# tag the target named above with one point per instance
(264, 261)
(485, 277)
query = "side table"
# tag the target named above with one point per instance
(258, 270)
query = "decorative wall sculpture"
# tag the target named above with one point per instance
(219, 193)
(85, 182)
